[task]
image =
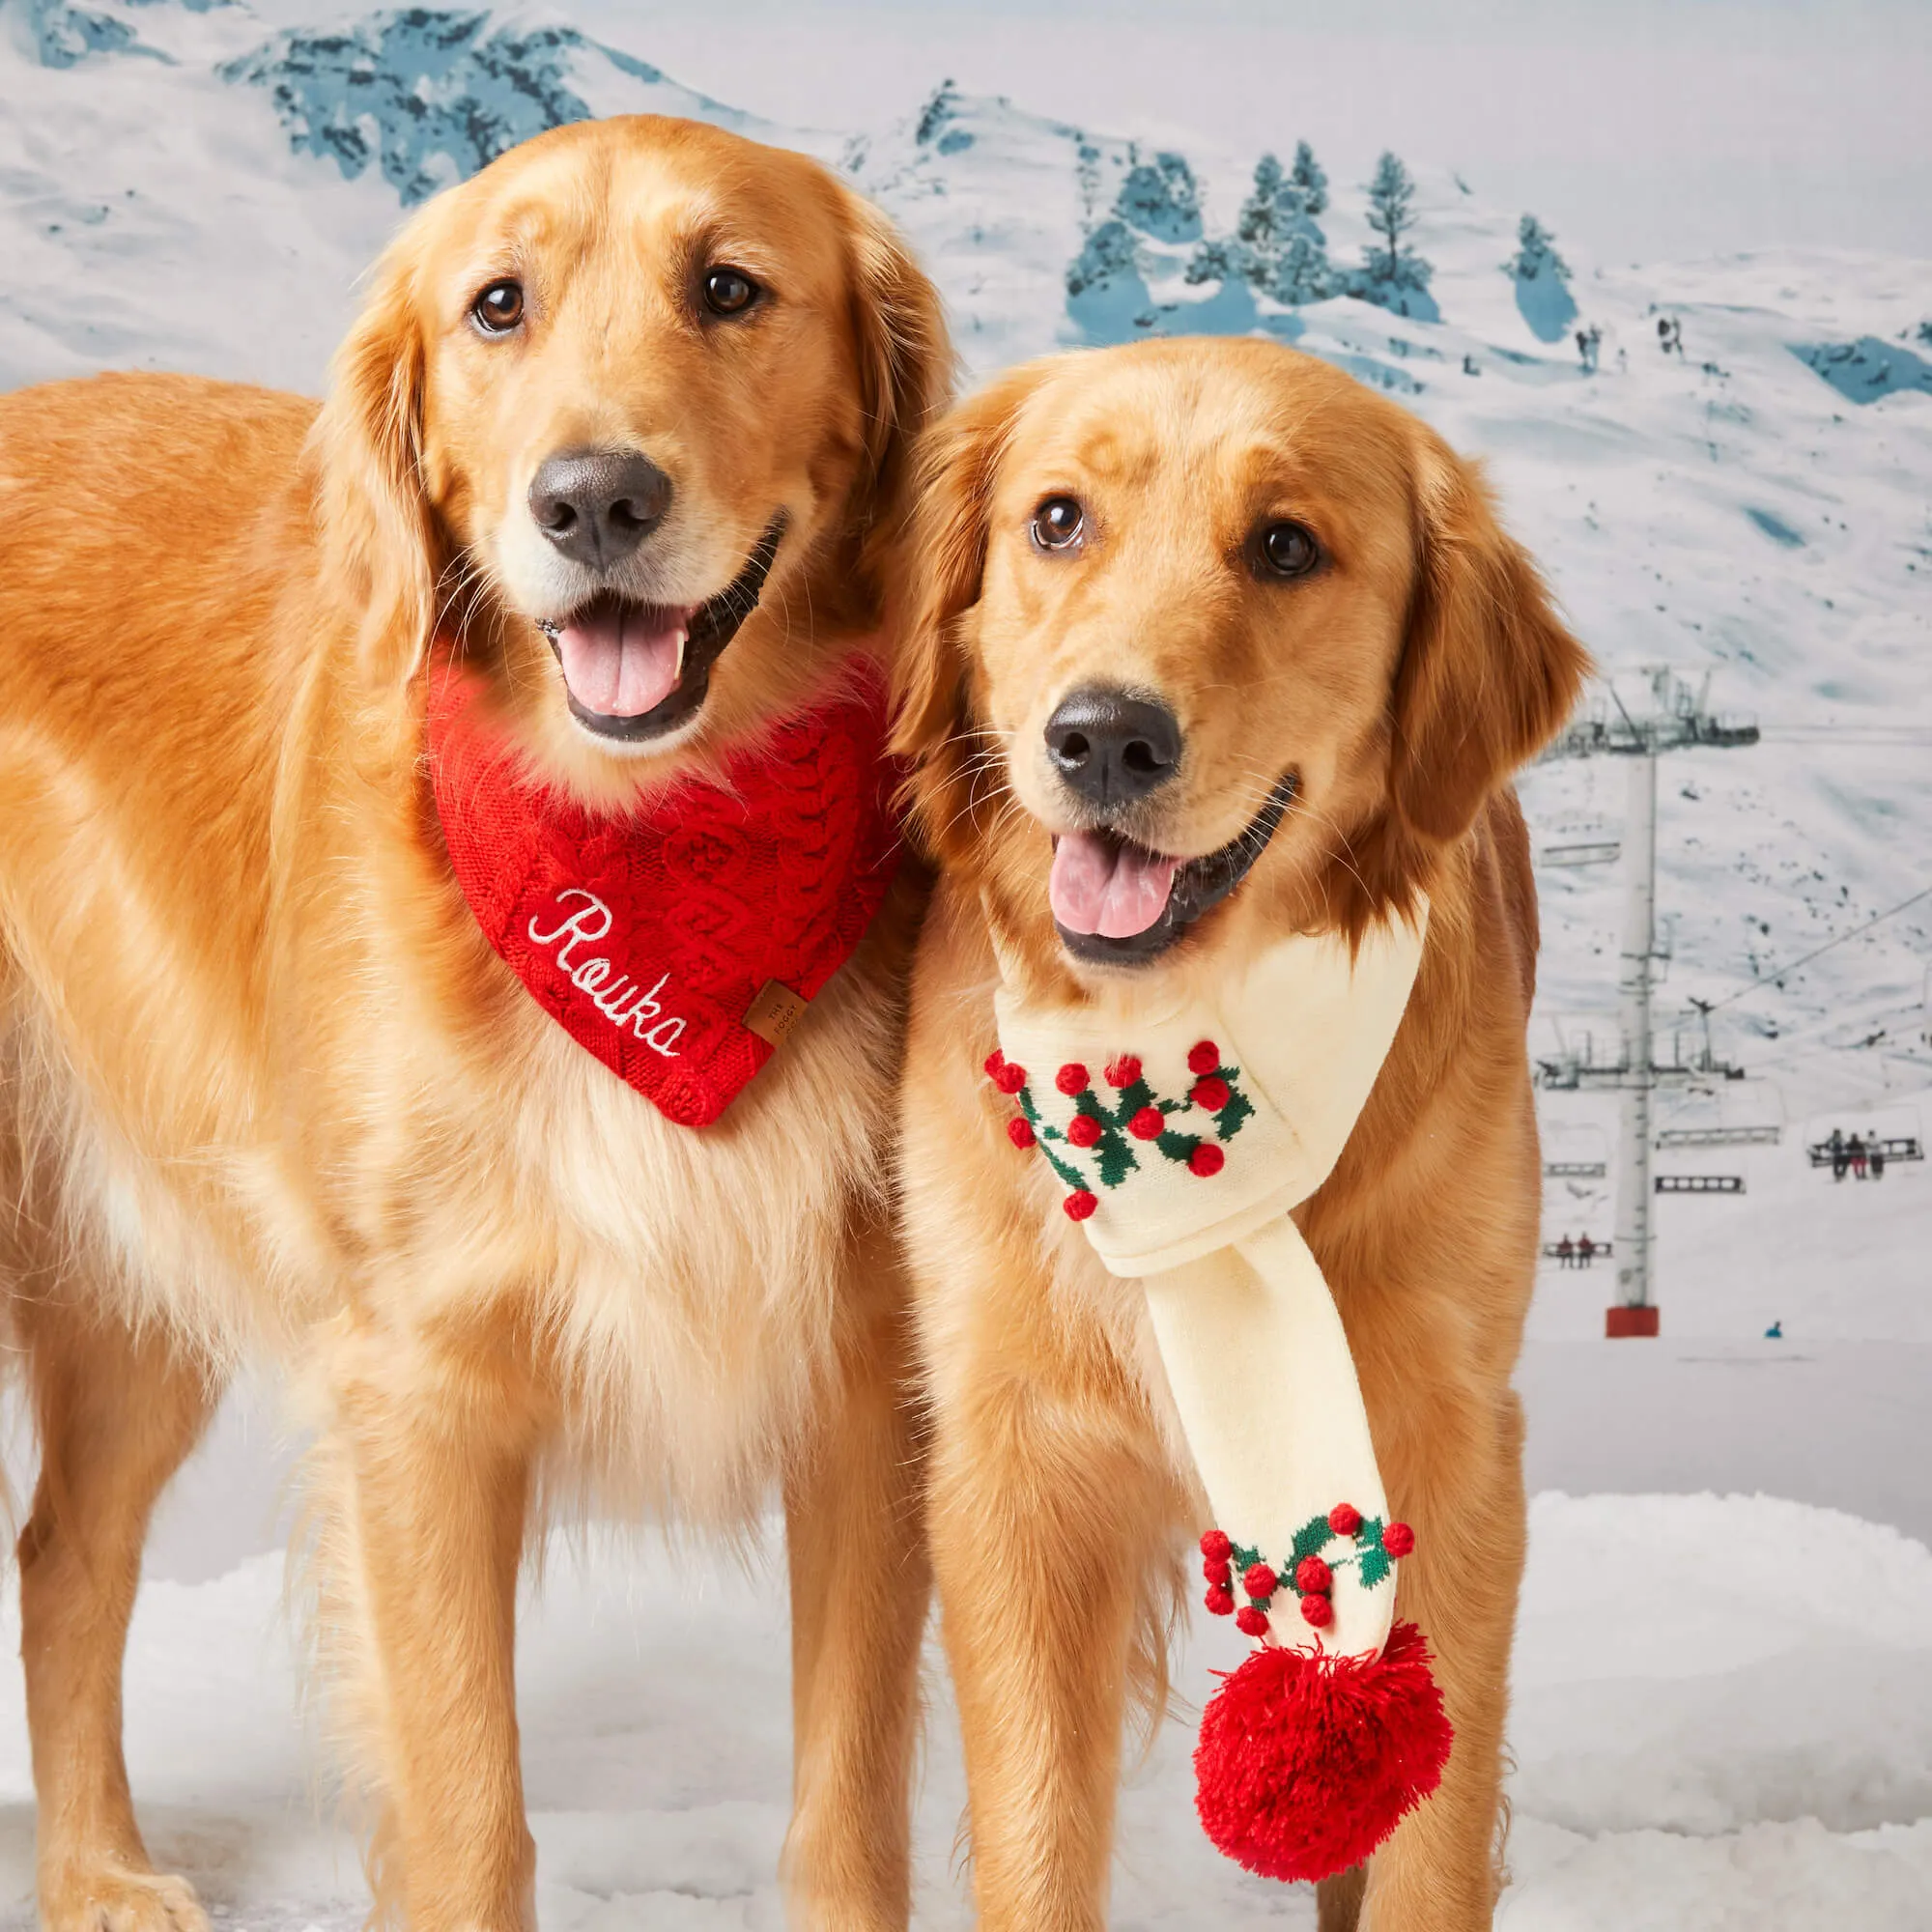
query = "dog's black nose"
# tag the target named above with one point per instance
(598, 505)
(1111, 748)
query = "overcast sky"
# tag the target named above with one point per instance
(1639, 130)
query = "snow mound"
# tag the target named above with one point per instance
(1703, 1664)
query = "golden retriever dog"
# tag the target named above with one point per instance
(267, 1087)
(1149, 585)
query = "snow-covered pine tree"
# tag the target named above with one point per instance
(1391, 214)
(1303, 274)
(1308, 179)
(1259, 224)
(1221, 258)
(1277, 244)
(1160, 198)
(1536, 254)
(1392, 276)
(1541, 295)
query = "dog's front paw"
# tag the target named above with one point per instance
(112, 1898)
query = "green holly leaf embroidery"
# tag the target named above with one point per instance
(1176, 1147)
(1229, 1122)
(1310, 1540)
(1116, 1157)
(1373, 1567)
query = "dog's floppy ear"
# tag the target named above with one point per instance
(1488, 674)
(379, 537)
(905, 378)
(938, 582)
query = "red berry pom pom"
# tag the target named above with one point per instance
(1251, 1622)
(1221, 1600)
(1217, 1546)
(1072, 1078)
(1317, 1612)
(1203, 1058)
(1260, 1582)
(1080, 1203)
(1006, 1076)
(1307, 1763)
(1312, 1578)
(1019, 1130)
(1083, 1130)
(1398, 1539)
(1218, 1571)
(1146, 1125)
(1207, 1159)
(1123, 1071)
(1210, 1093)
(1345, 1519)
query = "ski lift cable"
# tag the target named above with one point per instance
(1805, 959)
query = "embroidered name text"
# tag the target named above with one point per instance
(620, 999)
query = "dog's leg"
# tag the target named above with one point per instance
(1049, 1516)
(117, 1414)
(1457, 1469)
(1338, 1900)
(427, 1473)
(861, 1580)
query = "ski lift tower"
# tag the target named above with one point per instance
(1678, 719)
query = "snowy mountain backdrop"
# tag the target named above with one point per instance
(1724, 467)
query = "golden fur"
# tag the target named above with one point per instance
(266, 1087)
(1402, 682)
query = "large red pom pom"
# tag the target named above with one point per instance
(1217, 1546)
(1146, 1125)
(1080, 1203)
(1398, 1539)
(1084, 1130)
(1203, 1057)
(1072, 1078)
(1123, 1071)
(1019, 1130)
(1345, 1519)
(1306, 1762)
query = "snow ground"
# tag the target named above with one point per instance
(1723, 1720)
(1724, 1701)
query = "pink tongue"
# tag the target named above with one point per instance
(1117, 890)
(621, 662)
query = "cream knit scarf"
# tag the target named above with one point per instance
(1185, 1133)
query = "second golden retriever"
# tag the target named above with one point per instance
(619, 441)
(1208, 646)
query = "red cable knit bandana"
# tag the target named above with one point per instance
(650, 937)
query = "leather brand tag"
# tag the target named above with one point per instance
(774, 1011)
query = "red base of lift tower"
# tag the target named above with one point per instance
(1621, 1322)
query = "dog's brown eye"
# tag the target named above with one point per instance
(500, 308)
(1289, 551)
(729, 291)
(1058, 523)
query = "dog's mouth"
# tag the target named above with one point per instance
(638, 670)
(1120, 904)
